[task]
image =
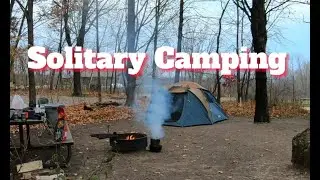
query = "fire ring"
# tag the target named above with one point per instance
(128, 142)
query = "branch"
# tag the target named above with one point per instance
(269, 2)
(245, 7)
(279, 5)
(97, 16)
(305, 20)
(245, 4)
(299, 2)
(21, 6)
(11, 6)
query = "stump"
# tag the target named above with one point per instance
(301, 149)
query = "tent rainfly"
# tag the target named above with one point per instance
(193, 105)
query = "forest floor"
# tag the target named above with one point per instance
(233, 149)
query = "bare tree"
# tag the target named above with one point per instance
(60, 41)
(14, 48)
(218, 78)
(155, 41)
(131, 34)
(98, 50)
(257, 15)
(180, 27)
(237, 47)
(80, 42)
(32, 83)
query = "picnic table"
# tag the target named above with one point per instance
(68, 142)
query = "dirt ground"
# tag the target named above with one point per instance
(233, 149)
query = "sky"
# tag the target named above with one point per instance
(294, 31)
(297, 34)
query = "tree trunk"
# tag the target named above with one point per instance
(59, 80)
(107, 80)
(110, 87)
(115, 72)
(238, 70)
(177, 73)
(80, 42)
(247, 86)
(115, 82)
(217, 51)
(242, 83)
(293, 89)
(65, 6)
(192, 76)
(131, 34)
(270, 92)
(259, 38)
(155, 41)
(246, 72)
(248, 80)
(32, 83)
(98, 50)
(12, 56)
(59, 49)
(200, 77)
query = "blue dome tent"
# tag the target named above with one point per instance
(193, 105)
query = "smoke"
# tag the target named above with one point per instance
(158, 110)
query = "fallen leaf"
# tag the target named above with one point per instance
(284, 110)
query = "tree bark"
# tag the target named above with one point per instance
(293, 89)
(155, 40)
(32, 83)
(238, 70)
(98, 50)
(247, 87)
(80, 42)
(131, 34)
(177, 73)
(12, 56)
(259, 38)
(59, 50)
(217, 51)
(110, 87)
(246, 72)
(65, 6)
(115, 82)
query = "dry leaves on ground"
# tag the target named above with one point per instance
(65, 92)
(76, 114)
(280, 111)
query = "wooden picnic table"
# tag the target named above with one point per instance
(68, 142)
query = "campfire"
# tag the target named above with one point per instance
(131, 137)
(124, 142)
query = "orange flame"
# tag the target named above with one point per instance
(131, 137)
